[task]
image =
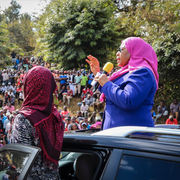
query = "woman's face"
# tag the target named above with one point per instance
(122, 57)
(98, 126)
(74, 127)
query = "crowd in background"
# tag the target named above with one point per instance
(75, 83)
(70, 84)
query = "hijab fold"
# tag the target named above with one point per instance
(141, 55)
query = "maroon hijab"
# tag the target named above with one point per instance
(38, 108)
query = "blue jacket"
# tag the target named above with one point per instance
(129, 99)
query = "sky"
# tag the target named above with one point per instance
(28, 6)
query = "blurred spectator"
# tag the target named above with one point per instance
(97, 125)
(12, 99)
(19, 89)
(72, 82)
(13, 55)
(162, 111)
(9, 87)
(84, 80)
(86, 121)
(10, 107)
(13, 89)
(6, 97)
(90, 79)
(84, 92)
(2, 120)
(3, 89)
(68, 96)
(79, 116)
(64, 113)
(67, 122)
(73, 120)
(73, 126)
(84, 108)
(56, 77)
(153, 114)
(84, 125)
(171, 120)
(63, 80)
(92, 119)
(5, 78)
(89, 100)
(21, 97)
(175, 108)
(78, 84)
(16, 64)
(98, 104)
(62, 91)
(11, 77)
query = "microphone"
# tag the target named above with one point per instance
(106, 70)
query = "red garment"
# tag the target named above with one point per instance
(168, 121)
(19, 90)
(22, 76)
(85, 90)
(18, 82)
(64, 114)
(70, 92)
(38, 108)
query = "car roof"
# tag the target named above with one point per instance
(159, 140)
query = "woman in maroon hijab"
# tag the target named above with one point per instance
(39, 123)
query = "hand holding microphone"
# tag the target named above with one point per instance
(95, 68)
(102, 79)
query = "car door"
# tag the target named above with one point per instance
(16, 160)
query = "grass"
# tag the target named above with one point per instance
(72, 109)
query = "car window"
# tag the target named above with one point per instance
(12, 163)
(134, 167)
(78, 165)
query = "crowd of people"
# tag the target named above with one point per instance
(126, 93)
(168, 115)
(70, 84)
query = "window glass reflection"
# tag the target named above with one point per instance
(134, 167)
(11, 164)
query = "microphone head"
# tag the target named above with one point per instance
(108, 67)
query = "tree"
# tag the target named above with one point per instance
(12, 12)
(157, 22)
(77, 28)
(4, 49)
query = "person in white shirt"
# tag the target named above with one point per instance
(13, 89)
(21, 97)
(84, 108)
(5, 77)
(3, 89)
(9, 87)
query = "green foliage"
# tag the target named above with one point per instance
(12, 12)
(158, 23)
(19, 26)
(78, 28)
(4, 50)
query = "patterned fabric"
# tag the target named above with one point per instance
(24, 133)
(38, 108)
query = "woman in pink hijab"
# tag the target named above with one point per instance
(130, 91)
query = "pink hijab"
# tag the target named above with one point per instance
(142, 55)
